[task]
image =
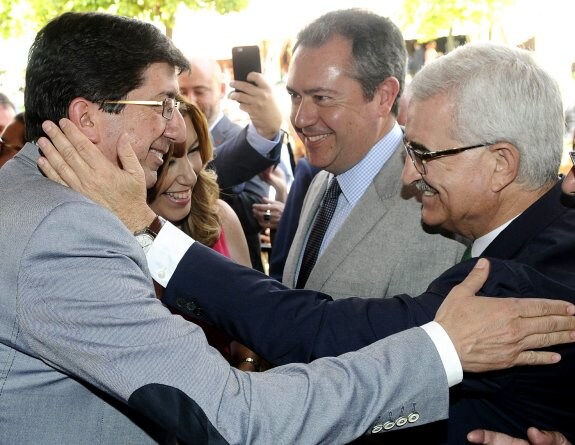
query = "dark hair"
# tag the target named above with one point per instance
(96, 56)
(378, 46)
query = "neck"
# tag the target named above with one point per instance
(512, 202)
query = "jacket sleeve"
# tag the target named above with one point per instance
(235, 160)
(281, 324)
(87, 308)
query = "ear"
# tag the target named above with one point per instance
(507, 159)
(386, 94)
(222, 90)
(84, 114)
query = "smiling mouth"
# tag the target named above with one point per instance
(157, 154)
(179, 196)
(425, 188)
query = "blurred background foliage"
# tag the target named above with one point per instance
(18, 16)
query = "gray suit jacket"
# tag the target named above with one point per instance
(89, 355)
(381, 250)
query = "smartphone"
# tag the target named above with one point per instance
(245, 59)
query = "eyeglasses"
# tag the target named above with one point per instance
(572, 154)
(420, 155)
(169, 104)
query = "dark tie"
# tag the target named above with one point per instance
(317, 232)
(466, 254)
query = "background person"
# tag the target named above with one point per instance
(12, 138)
(7, 111)
(345, 80)
(204, 86)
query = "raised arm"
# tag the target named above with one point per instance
(487, 342)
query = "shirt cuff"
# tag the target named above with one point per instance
(447, 352)
(260, 144)
(166, 252)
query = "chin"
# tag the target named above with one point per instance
(151, 178)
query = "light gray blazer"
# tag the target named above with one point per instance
(381, 250)
(89, 355)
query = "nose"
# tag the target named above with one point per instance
(176, 127)
(303, 113)
(186, 174)
(409, 174)
(569, 182)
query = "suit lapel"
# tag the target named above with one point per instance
(224, 129)
(527, 225)
(310, 205)
(374, 205)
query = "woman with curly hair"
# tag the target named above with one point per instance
(187, 194)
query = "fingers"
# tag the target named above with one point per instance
(128, 158)
(487, 437)
(53, 164)
(47, 168)
(536, 307)
(267, 215)
(540, 437)
(65, 152)
(536, 437)
(475, 279)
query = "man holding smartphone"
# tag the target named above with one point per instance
(204, 86)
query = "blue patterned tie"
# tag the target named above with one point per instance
(320, 225)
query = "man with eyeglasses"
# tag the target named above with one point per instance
(498, 186)
(484, 139)
(88, 354)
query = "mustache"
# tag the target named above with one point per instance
(423, 186)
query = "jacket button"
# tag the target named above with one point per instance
(388, 425)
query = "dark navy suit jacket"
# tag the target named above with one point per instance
(303, 175)
(533, 257)
(235, 160)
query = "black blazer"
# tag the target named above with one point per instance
(533, 257)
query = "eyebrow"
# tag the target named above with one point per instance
(419, 147)
(312, 91)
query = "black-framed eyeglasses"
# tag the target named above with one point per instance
(572, 154)
(420, 155)
(169, 104)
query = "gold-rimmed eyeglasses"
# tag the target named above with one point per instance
(421, 155)
(169, 104)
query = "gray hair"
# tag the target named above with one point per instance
(377, 44)
(500, 94)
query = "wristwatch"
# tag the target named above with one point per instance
(147, 235)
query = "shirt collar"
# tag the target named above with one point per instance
(355, 181)
(481, 243)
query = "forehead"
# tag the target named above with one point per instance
(201, 74)
(159, 80)
(429, 119)
(321, 64)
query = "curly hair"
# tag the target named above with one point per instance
(203, 222)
